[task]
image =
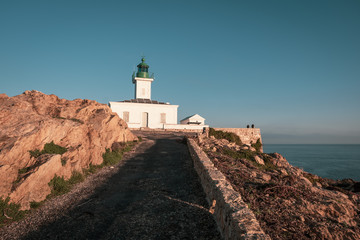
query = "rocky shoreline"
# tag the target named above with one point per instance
(288, 202)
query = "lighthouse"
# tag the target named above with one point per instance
(142, 81)
(142, 111)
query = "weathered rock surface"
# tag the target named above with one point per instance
(30, 120)
(288, 202)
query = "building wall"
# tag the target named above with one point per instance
(143, 88)
(247, 135)
(193, 119)
(154, 113)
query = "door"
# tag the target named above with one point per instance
(145, 119)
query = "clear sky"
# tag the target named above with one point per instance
(291, 68)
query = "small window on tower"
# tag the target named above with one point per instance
(162, 117)
(126, 116)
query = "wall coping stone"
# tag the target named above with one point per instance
(234, 218)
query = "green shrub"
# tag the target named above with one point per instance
(58, 186)
(9, 212)
(268, 163)
(92, 169)
(61, 186)
(36, 153)
(231, 137)
(257, 145)
(242, 154)
(111, 157)
(128, 147)
(268, 166)
(75, 178)
(23, 170)
(52, 148)
(140, 139)
(35, 205)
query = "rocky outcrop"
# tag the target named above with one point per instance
(288, 202)
(234, 218)
(30, 120)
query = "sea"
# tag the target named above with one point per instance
(335, 161)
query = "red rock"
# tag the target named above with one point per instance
(30, 120)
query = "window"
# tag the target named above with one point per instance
(126, 116)
(162, 117)
(143, 92)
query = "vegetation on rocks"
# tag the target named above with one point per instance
(231, 137)
(72, 119)
(35, 153)
(35, 205)
(257, 145)
(33, 115)
(111, 157)
(49, 148)
(61, 186)
(52, 148)
(9, 212)
(288, 202)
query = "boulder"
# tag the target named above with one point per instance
(35, 187)
(259, 160)
(279, 161)
(30, 120)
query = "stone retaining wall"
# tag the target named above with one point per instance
(247, 135)
(167, 130)
(233, 217)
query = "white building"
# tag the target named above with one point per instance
(142, 112)
(195, 119)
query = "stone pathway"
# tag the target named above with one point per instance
(154, 194)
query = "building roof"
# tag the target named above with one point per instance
(192, 116)
(143, 100)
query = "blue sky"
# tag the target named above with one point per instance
(291, 68)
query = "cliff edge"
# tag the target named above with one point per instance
(83, 129)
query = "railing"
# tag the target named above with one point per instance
(151, 75)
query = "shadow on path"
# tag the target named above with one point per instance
(154, 195)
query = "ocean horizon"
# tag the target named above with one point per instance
(335, 161)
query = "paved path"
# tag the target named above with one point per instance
(155, 194)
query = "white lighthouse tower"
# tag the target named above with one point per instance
(142, 81)
(143, 112)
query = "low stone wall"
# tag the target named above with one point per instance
(247, 135)
(167, 130)
(185, 127)
(233, 217)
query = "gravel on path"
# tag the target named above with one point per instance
(154, 193)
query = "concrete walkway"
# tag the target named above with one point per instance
(155, 194)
